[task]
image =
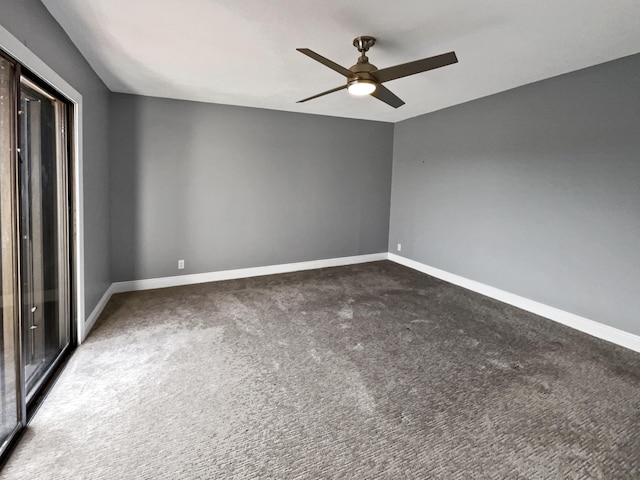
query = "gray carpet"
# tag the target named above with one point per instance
(367, 371)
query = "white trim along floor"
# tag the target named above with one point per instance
(590, 327)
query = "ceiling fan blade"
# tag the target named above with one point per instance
(406, 69)
(387, 96)
(323, 93)
(325, 61)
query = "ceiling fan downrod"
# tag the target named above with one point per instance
(363, 44)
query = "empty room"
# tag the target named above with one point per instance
(300, 240)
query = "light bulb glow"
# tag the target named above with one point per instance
(361, 87)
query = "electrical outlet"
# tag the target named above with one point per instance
(180, 264)
(399, 247)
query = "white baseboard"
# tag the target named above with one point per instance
(179, 280)
(599, 330)
(596, 329)
(164, 282)
(91, 319)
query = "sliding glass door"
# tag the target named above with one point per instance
(43, 231)
(34, 226)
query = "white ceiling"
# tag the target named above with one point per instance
(243, 52)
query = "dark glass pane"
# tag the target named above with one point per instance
(42, 235)
(9, 418)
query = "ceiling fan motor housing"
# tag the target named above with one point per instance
(363, 70)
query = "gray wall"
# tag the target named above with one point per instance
(535, 191)
(30, 22)
(226, 187)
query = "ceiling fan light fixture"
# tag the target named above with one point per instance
(361, 87)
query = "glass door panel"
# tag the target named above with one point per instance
(10, 418)
(43, 232)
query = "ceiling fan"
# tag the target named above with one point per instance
(365, 79)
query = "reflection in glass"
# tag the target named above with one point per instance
(10, 416)
(43, 234)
